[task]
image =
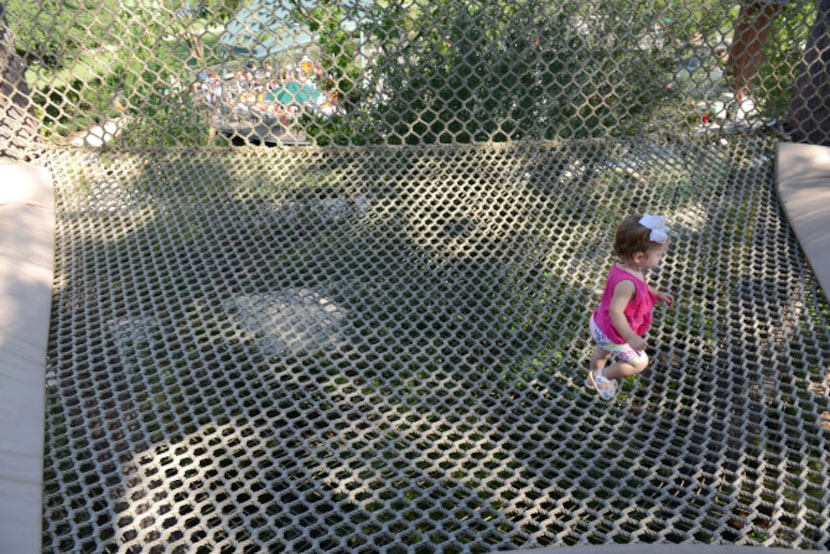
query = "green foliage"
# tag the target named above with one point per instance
(67, 109)
(440, 72)
(784, 54)
(55, 32)
(340, 54)
(134, 81)
(166, 121)
(159, 115)
(511, 71)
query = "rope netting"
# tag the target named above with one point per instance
(367, 350)
(178, 73)
(372, 336)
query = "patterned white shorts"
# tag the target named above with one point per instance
(622, 351)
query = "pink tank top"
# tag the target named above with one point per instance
(637, 312)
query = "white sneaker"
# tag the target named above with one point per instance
(606, 388)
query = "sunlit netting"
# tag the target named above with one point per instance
(372, 336)
(384, 350)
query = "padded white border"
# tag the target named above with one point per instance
(27, 230)
(802, 177)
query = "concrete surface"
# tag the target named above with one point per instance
(27, 228)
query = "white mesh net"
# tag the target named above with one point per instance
(372, 336)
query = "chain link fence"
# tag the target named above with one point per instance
(323, 274)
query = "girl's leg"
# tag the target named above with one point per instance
(599, 358)
(622, 369)
(606, 389)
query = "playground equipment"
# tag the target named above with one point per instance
(377, 342)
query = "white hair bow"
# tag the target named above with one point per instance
(657, 225)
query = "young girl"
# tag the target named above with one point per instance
(624, 313)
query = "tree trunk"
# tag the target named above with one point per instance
(808, 119)
(197, 47)
(19, 128)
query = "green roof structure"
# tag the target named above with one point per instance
(265, 28)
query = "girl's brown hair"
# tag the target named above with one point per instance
(632, 238)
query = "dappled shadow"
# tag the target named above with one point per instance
(383, 349)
